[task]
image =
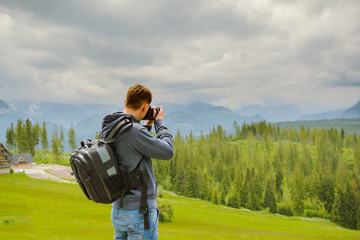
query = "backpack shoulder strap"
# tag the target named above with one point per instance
(115, 132)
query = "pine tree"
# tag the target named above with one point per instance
(326, 189)
(55, 144)
(269, 198)
(29, 137)
(10, 137)
(234, 200)
(61, 140)
(278, 180)
(255, 191)
(44, 138)
(339, 209)
(215, 198)
(72, 138)
(36, 135)
(298, 191)
(244, 192)
(20, 137)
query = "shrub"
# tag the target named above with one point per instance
(166, 212)
(311, 213)
(160, 191)
(285, 209)
(11, 171)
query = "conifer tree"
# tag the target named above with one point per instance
(215, 198)
(29, 142)
(36, 134)
(339, 209)
(20, 137)
(298, 192)
(61, 140)
(255, 191)
(244, 192)
(72, 137)
(55, 148)
(44, 138)
(269, 198)
(10, 137)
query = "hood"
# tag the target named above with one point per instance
(110, 120)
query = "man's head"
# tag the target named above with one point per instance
(137, 96)
(138, 100)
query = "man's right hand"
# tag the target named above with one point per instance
(161, 114)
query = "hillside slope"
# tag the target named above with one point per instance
(40, 209)
(353, 112)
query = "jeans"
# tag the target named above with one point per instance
(129, 224)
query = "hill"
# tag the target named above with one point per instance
(322, 116)
(40, 209)
(353, 112)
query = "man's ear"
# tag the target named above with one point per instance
(145, 106)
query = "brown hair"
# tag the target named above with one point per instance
(138, 95)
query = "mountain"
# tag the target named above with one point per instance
(323, 116)
(199, 117)
(193, 118)
(59, 113)
(4, 107)
(86, 118)
(286, 112)
(196, 117)
(353, 112)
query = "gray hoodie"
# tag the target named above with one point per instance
(129, 149)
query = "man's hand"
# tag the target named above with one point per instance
(160, 115)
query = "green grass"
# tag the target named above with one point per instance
(41, 209)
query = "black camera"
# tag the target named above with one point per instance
(150, 114)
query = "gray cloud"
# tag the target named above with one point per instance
(231, 53)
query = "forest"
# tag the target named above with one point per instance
(306, 172)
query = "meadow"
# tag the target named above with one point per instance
(42, 209)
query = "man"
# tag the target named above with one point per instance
(133, 148)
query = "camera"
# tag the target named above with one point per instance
(150, 114)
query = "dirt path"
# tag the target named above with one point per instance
(52, 172)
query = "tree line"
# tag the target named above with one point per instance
(301, 172)
(27, 137)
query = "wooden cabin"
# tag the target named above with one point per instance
(5, 160)
(22, 160)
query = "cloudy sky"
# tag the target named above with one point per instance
(230, 53)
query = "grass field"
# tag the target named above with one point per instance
(40, 209)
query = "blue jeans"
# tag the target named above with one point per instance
(129, 224)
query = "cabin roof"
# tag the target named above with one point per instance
(22, 158)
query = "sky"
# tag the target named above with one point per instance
(229, 53)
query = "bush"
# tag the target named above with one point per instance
(311, 213)
(166, 212)
(160, 191)
(285, 209)
(11, 171)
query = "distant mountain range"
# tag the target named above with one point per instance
(194, 118)
(273, 114)
(86, 118)
(353, 112)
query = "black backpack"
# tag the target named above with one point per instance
(97, 172)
